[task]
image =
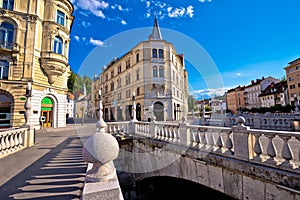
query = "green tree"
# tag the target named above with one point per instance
(71, 81)
(88, 84)
(191, 103)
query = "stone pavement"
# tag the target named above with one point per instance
(51, 169)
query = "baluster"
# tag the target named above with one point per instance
(257, 148)
(229, 144)
(20, 138)
(286, 152)
(271, 151)
(220, 143)
(11, 141)
(7, 144)
(16, 140)
(1, 144)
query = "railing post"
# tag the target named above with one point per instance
(256, 121)
(184, 133)
(243, 143)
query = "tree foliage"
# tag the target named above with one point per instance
(75, 83)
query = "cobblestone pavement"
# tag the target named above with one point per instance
(51, 169)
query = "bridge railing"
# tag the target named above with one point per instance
(279, 149)
(11, 141)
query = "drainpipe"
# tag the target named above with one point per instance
(25, 39)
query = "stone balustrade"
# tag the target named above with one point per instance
(279, 149)
(12, 140)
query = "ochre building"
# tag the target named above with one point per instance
(154, 73)
(34, 46)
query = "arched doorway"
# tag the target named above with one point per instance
(5, 110)
(138, 112)
(159, 111)
(47, 112)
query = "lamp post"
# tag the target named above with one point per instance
(133, 109)
(100, 125)
(27, 105)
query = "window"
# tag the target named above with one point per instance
(127, 79)
(119, 69)
(291, 78)
(112, 86)
(161, 71)
(137, 75)
(154, 53)
(4, 69)
(155, 72)
(58, 45)
(127, 64)
(298, 67)
(138, 91)
(119, 82)
(8, 4)
(60, 18)
(161, 53)
(6, 35)
(112, 74)
(137, 57)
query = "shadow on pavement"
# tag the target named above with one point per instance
(57, 175)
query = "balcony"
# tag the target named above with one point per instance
(158, 60)
(9, 47)
(54, 65)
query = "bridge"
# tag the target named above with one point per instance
(239, 162)
(234, 162)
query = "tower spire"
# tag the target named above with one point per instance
(156, 35)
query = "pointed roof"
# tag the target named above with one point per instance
(156, 35)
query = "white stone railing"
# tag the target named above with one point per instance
(279, 149)
(272, 122)
(118, 127)
(11, 141)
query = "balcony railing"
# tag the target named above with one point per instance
(9, 46)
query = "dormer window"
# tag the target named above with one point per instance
(60, 18)
(7, 4)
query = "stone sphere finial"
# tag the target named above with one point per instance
(100, 149)
(240, 121)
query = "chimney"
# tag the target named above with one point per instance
(263, 78)
(252, 82)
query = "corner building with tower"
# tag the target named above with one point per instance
(34, 46)
(153, 74)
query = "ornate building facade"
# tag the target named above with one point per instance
(34, 46)
(154, 74)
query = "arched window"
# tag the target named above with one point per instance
(6, 35)
(155, 71)
(161, 53)
(58, 45)
(161, 71)
(137, 57)
(5, 110)
(4, 66)
(7, 4)
(154, 53)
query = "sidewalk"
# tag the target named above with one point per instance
(51, 169)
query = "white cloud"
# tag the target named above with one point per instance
(180, 12)
(85, 24)
(96, 42)
(202, 1)
(190, 11)
(123, 22)
(77, 38)
(92, 6)
(209, 92)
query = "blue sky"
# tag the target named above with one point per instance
(240, 40)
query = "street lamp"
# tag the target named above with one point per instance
(133, 110)
(27, 105)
